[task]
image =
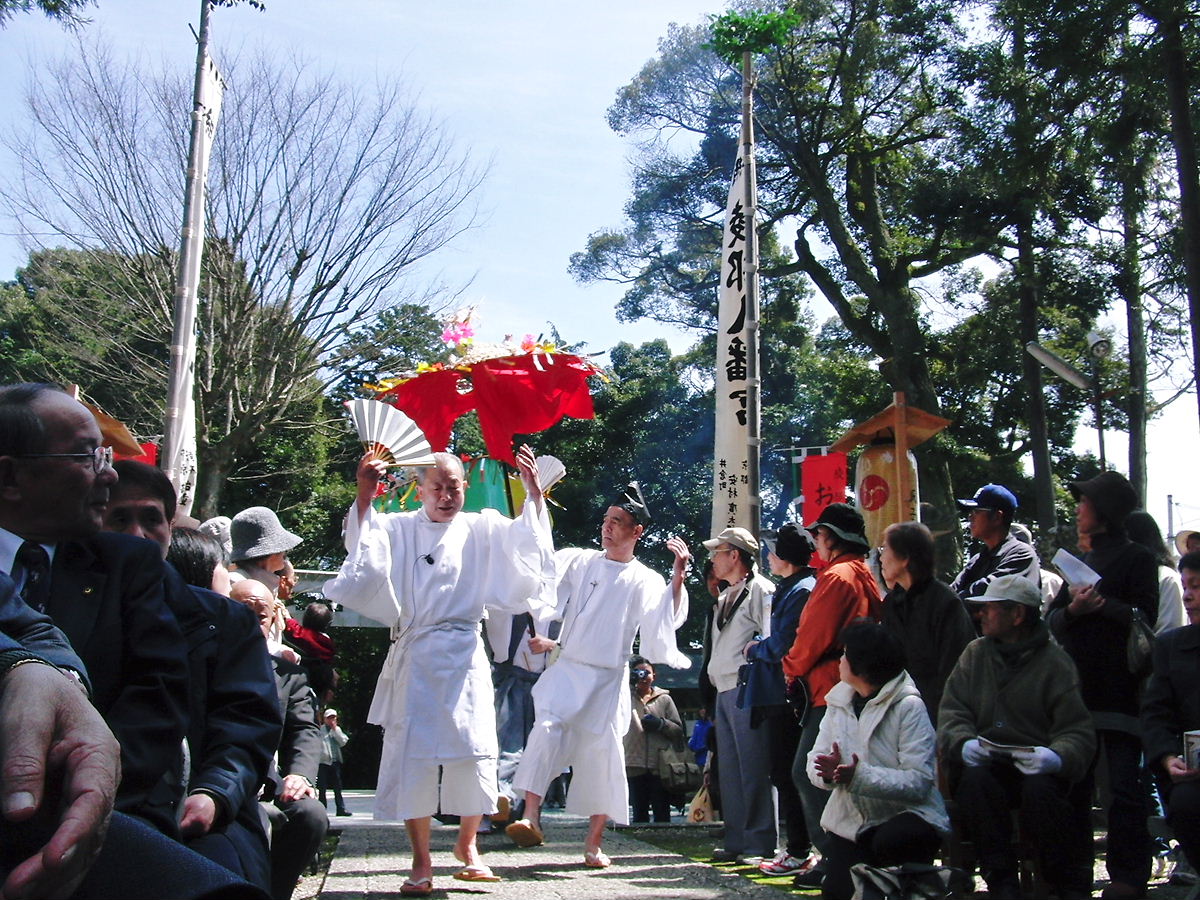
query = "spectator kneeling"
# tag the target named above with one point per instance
(875, 753)
(1014, 730)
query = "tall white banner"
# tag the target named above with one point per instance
(179, 439)
(734, 493)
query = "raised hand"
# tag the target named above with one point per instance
(527, 466)
(370, 470)
(683, 556)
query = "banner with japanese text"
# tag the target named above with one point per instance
(822, 482)
(179, 443)
(732, 491)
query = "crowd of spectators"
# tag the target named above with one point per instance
(884, 711)
(170, 681)
(1027, 681)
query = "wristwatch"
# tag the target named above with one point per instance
(10, 659)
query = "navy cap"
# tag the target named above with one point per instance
(991, 496)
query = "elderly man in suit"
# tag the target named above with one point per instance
(105, 591)
(298, 820)
(59, 832)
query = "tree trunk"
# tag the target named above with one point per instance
(1130, 285)
(908, 371)
(1183, 138)
(1043, 472)
(214, 466)
(1027, 308)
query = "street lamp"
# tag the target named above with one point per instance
(1099, 346)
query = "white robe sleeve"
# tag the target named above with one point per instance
(518, 573)
(658, 624)
(364, 583)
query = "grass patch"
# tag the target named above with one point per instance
(697, 842)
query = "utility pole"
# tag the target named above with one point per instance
(178, 456)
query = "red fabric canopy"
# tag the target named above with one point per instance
(513, 395)
(433, 401)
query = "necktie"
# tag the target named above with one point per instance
(36, 563)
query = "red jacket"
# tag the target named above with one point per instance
(311, 644)
(845, 591)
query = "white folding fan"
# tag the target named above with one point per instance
(550, 471)
(389, 434)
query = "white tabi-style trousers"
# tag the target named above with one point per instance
(597, 764)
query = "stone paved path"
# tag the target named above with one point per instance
(372, 859)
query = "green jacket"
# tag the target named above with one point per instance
(1024, 693)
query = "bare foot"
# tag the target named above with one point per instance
(467, 853)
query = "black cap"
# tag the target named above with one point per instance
(791, 544)
(1111, 494)
(630, 499)
(845, 521)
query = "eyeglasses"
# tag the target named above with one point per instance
(100, 457)
(723, 550)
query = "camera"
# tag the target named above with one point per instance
(637, 676)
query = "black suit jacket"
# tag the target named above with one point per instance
(1171, 703)
(35, 631)
(106, 594)
(300, 744)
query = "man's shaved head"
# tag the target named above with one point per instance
(259, 598)
(446, 462)
(442, 487)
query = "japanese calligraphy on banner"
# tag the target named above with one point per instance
(822, 482)
(179, 440)
(732, 491)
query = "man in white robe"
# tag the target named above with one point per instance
(430, 574)
(582, 700)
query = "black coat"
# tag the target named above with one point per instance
(235, 720)
(1171, 703)
(300, 743)
(934, 627)
(106, 594)
(1097, 640)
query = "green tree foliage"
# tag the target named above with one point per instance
(1137, 60)
(978, 361)
(68, 12)
(852, 116)
(753, 31)
(392, 343)
(361, 652)
(885, 152)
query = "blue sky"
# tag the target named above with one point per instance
(525, 85)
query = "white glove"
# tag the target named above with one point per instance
(973, 753)
(1043, 761)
